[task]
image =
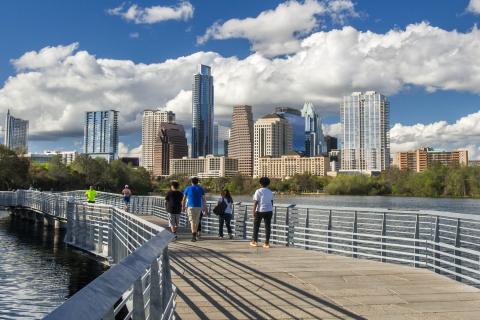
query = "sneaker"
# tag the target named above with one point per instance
(266, 245)
(220, 237)
(230, 236)
(194, 239)
(253, 244)
(176, 237)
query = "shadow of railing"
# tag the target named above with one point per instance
(242, 291)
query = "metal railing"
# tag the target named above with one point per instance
(445, 242)
(138, 285)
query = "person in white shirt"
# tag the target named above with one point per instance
(262, 210)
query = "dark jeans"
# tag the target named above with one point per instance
(224, 218)
(267, 216)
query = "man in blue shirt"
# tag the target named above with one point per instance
(194, 200)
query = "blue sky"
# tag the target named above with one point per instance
(33, 25)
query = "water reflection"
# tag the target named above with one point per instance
(37, 270)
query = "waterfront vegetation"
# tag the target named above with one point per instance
(438, 181)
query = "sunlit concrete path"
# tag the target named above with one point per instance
(222, 279)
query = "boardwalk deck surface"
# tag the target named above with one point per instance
(223, 279)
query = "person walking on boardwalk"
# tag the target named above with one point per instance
(262, 210)
(127, 193)
(173, 205)
(225, 211)
(194, 201)
(91, 194)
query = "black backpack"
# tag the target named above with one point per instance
(220, 208)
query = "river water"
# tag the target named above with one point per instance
(469, 206)
(38, 271)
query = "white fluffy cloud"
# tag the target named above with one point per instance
(125, 151)
(474, 6)
(54, 86)
(183, 11)
(463, 134)
(279, 31)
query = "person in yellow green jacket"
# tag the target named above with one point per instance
(91, 194)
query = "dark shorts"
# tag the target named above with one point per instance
(90, 201)
(126, 199)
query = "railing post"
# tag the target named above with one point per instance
(290, 223)
(167, 289)
(329, 232)
(138, 300)
(458, 262)
(156, 302)
(111, 245)
(354, 235)
(436, 239)
(417, 244)
(70, 217)
(384, 233)
(306, 231)
(245, 217)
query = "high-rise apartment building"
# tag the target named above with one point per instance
(419, 160)
(202, 113)
(331, 143)
(240, 145)
(296, 121)
(313, 134)
(204, 167)
(290, 165)
(101, 134)
(150, 129)
(171, 143)
(16, 133)
(365, 140)
(272, 138)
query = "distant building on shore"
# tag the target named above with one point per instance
(240, 145)
(150, 128)
(16, 133)
(331, 143)
(204, 167)
(101, 134)
(419, 160)
(272, 138)
(202, 112)
(171, 143)
(314, 140)
(297, 124)
(365, 140)
(287, 166)
(67, 157)
(474, 163)
(133, 161)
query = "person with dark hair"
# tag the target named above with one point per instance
(127, 193)
(194, 201)
(225, 217)
(173, 205)
(262, 210)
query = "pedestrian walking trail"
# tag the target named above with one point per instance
(228, 279)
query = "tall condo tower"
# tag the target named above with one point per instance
(16, 133)
(150, 129)
(365, 143)
(313, 138)
(101, 134)
(171, 143)
(294, 118)
(272, 138)
(202, 113)
(240, 146)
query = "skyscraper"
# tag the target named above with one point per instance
(294, 118)
(220, 135)
(16, 133)
(150, 128)
(171, 143)
(272, 138)
(313, 138)
(240, 146)
(365, 140)
(202, 112)
(101, 134)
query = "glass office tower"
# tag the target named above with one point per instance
(101, 134)
(202, 113)
(16, 133)
(297, 123)
(313, 138)
(365, 143)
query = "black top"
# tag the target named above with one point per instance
(174, 201)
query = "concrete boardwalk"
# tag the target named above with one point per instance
(222, 279)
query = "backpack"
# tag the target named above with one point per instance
(220, 208)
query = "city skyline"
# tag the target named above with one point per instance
(125, 67)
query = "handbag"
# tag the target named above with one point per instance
(220, 208)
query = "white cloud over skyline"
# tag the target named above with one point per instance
(474, 7)
(154, 14)
(54, 86)
(279, 31)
